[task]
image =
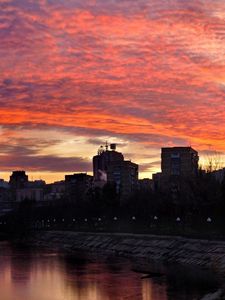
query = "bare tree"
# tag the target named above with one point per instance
(214, 162)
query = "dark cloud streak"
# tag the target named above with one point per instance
(44, 163)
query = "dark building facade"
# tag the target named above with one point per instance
(103, 160)
(31, 193)
(54, 191)
(219, 175)
(179, 161)
(125, 175)
(109, 166)
(179, 165)
(18, 179)
(5, 198)
(145, 184)
(77, 186)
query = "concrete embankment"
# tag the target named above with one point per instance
(165, 249)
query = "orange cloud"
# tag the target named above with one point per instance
(145, 72)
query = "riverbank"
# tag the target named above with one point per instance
(204, 254)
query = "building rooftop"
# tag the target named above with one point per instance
(178, 149)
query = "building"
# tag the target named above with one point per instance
(54, 191)
(4, 184)
(157, 181)
(6, 204)
(32, 191)
(178, 165)
(125, 175)
(18, 179)
(102, 161)
(35, 194)
(219, 174)
(145, 185)
(77, 186)
(109, 166)
(179, 161)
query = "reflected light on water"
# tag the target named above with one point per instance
(41, 275)
(33, 276)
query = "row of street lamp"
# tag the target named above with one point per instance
(133, 218)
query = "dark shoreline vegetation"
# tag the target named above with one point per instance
(197, 211)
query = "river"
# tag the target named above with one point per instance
(31, 274)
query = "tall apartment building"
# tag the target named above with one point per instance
(103, 159)
(178, 165)
(179, 161)
(125, 175)
(110, 166)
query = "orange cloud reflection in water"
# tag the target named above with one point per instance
(46, 276)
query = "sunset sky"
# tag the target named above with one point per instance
(75, 73)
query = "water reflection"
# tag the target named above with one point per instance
(32, 275)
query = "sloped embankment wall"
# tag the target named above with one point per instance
(168, 249)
